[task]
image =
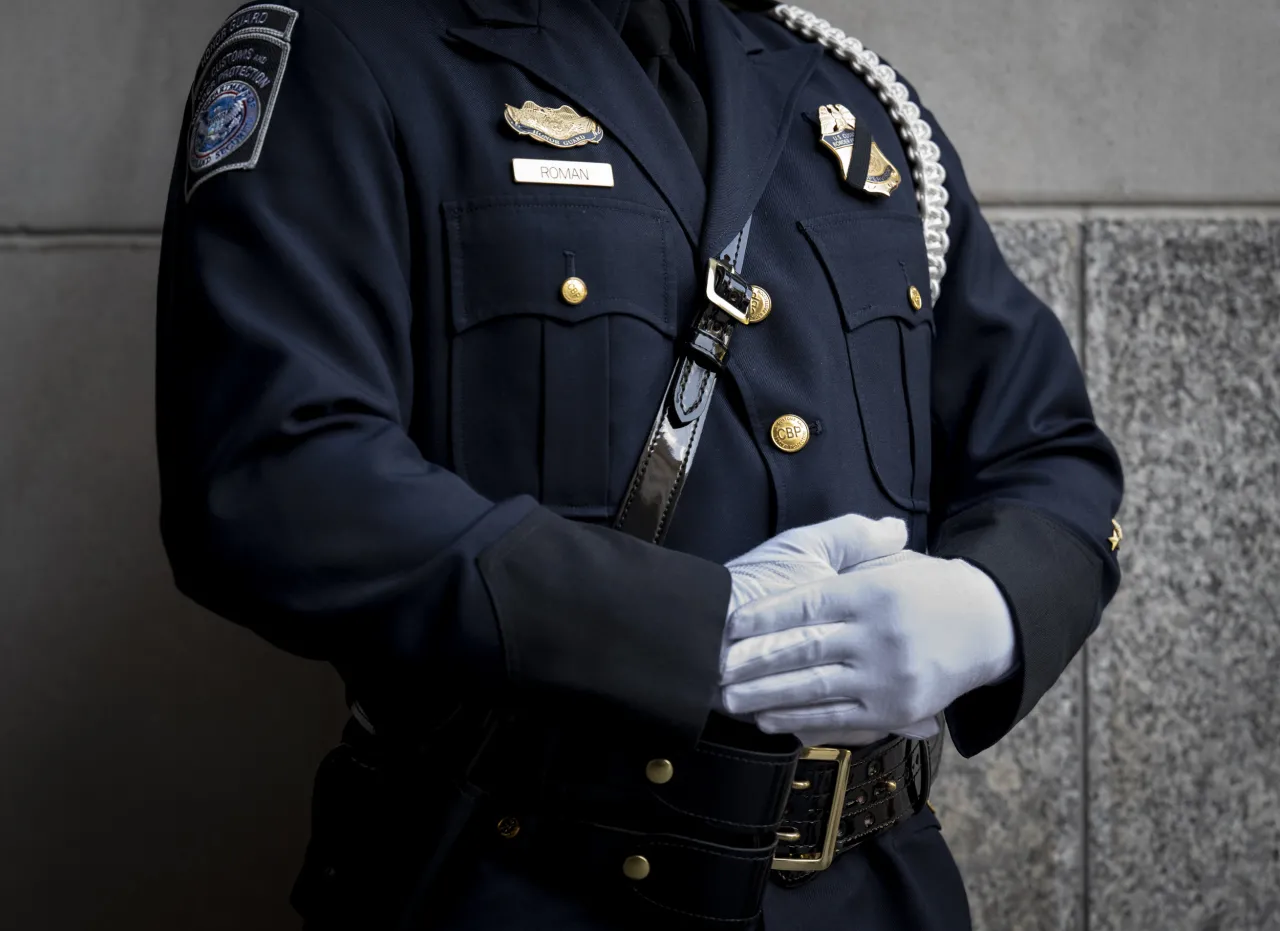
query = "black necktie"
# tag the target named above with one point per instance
(668, 58)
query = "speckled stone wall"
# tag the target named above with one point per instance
(1183, 321)
(1144, 791)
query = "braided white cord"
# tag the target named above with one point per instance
(923, 153)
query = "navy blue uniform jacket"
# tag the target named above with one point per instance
(388, 443)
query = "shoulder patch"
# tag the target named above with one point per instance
(235, 91)
(265, 18)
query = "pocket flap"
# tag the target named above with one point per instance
(511, 255)
(874, 261)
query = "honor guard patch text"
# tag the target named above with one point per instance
(235, 91)
(265, 18)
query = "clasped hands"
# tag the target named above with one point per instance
(839, 635)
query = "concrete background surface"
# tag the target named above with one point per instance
(155, 762)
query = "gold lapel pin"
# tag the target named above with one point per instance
(837, 128)
(1117, 536)
(563, 127)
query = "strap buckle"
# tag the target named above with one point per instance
(728, 290)
(823, 860)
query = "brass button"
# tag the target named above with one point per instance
(890, 785)
(800, 785)
(636, 868)
(917, 301)
(574, 290)
(659, 772)
(790, 433)
(508, 828)
(761, 304)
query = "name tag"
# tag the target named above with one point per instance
(542, 171)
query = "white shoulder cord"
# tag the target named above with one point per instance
(926, 168)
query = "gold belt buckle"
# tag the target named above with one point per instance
(821, 861)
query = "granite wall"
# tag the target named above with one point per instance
(1144, 791)
(155, 762)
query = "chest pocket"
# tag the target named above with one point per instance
(552, 398)
(878, 268)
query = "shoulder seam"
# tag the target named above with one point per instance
(395, 122)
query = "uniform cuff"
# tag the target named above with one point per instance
(588, 612)
(1053, 586)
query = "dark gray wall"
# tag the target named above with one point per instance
(155, 761)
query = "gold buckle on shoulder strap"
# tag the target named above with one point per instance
(823, 860)
(727, 290)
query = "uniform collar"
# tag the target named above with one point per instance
(507, 12)
(616, 12)
(529, 12)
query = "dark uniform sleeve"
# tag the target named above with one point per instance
(1024, 482)
(293, 500)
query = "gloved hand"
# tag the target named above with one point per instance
(807, 554)
(881, 648)
(803, 555)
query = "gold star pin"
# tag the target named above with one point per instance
(1117, 536)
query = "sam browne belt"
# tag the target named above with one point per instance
(668, 453)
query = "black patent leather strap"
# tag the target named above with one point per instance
(668, 452)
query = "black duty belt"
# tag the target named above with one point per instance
(695, 835)
(839, 798)
(686, 838)
(668, 453)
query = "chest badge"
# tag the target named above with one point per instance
(563, 127)
(856, 153)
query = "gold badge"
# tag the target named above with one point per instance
(563, 128)
(882, 177)
(838, 126)
(1117, 536)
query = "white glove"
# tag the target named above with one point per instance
(882, 648)
(807, 554)
(803, 555)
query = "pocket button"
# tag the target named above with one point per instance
(574, 291)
